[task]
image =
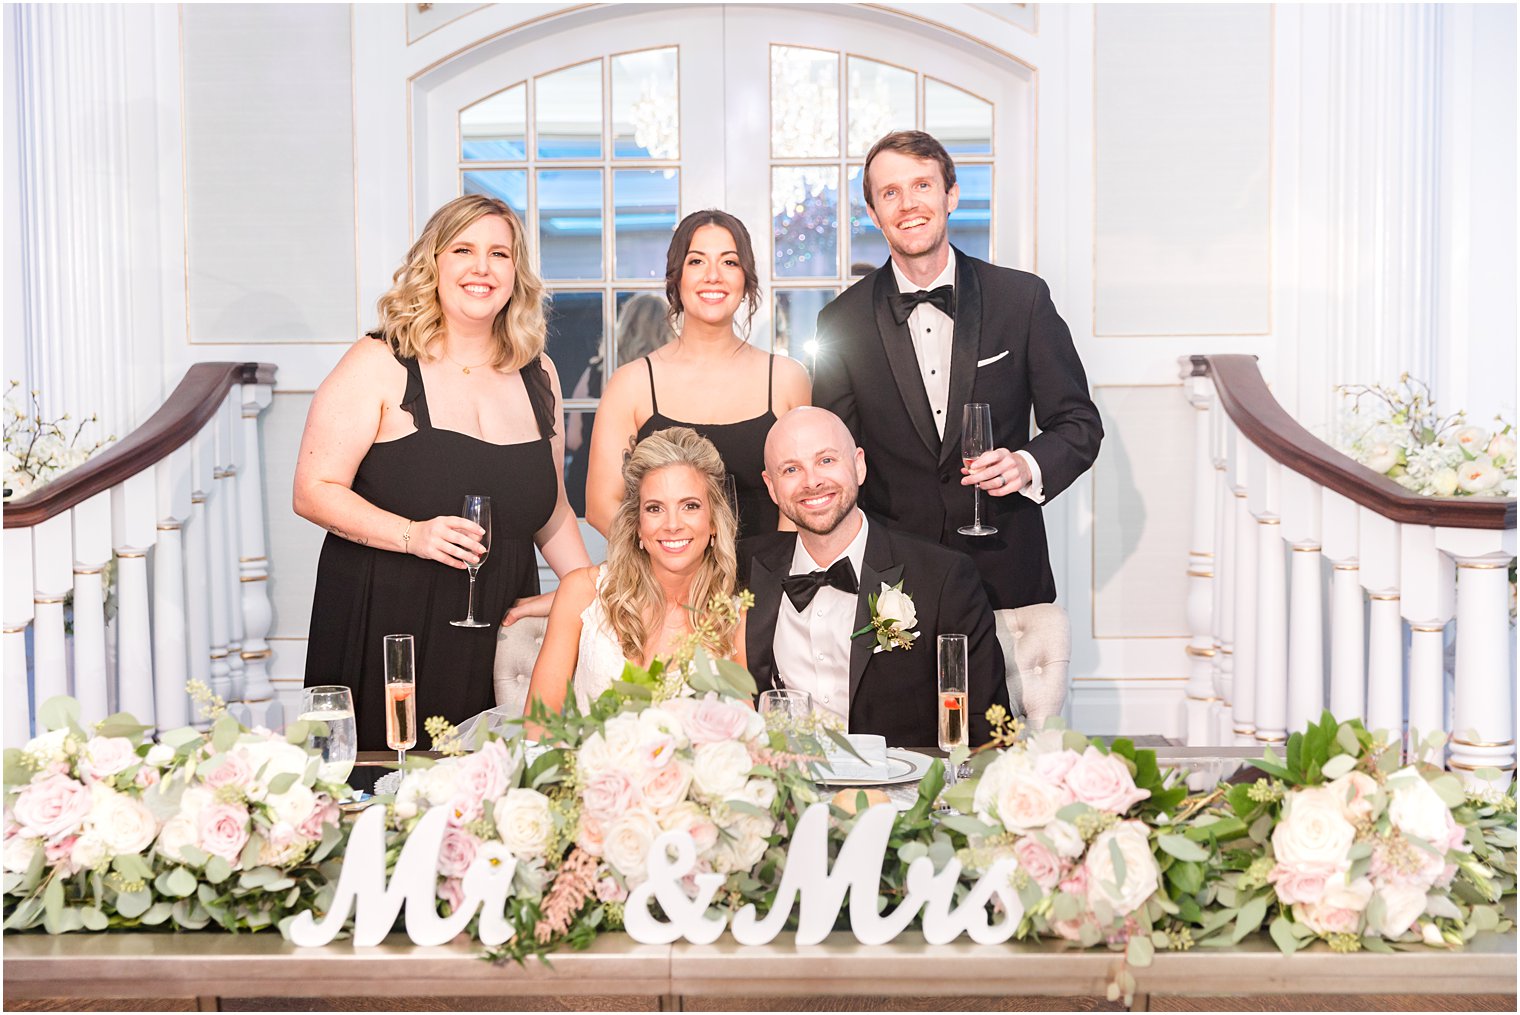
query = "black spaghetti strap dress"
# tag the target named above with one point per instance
(742, 447)
(364, 593)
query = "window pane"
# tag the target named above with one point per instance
(570, 223)
(868, 248)
(578, 424)
(496, 128)
(804, 103)
(796, 322)
(644, 202)
(568, 112)
(642, 326)
(575, 342)
(881, 101)
(645, 121)
(509, 185)
(971, 223)
(805, 220)
(961, 121)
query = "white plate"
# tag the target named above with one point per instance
(902, 765)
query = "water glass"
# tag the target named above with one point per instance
(788, 706)
(339, 746)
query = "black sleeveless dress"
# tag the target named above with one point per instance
(364, 593)
(742, 447)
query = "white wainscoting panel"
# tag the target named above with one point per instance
(269, 167)
(1142, 512)
(1182, 134)
(294, 542)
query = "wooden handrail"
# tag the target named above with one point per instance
(1244, 395)
(180, 418)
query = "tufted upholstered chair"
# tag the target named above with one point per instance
(1036, 643)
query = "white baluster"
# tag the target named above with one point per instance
(170, 648)
(1201, 699)
(198, 637)
(18, 616)
(92, 552)
(1348, 664)
(1263, 477)
(1224, 601)
(1380, 574)
(226, 429)
(219, 577)
(1428, 584)
(1245, 585)
(1306, 631)
(133, 509)
(253, 562)
(1483, 728)
(53, 577)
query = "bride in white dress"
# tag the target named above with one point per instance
(669, 548)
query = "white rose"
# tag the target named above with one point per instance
(1501, 448)
(994, 777)
(19, 850)
(1314, 833)
(1381, 457)
(121, 823)
(1028, 801)
(760, 792)
(1402, 905)
(1443, 482)
(656, 722)
(1339, 911)
(720, 769)
(270, 757)
(88, 853)
(293, 806)
(594, 756)
(194, 800)
(1064, 839)
(894, 604)
(159, 755)
(104, 757)
(1141, 876)
(623, 735)
(1416, 809)
(628, 841)
(1478, 475)
(693, 820)
(1472, 439)
(436, 785)
(178, 832)
(524, 822)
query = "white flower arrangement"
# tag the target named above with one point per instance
(38, 451)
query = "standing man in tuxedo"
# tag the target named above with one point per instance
(811, 588)
(905, 348)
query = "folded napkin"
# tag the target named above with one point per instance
(840, 764)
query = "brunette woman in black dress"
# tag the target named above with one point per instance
(708, 378)
(451, 395)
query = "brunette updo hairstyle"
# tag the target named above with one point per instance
(680, 244)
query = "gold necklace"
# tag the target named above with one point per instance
(460, 365)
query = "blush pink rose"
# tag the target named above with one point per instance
(233, 771)
(714, 720)
(1054, 765)
(324, 812)
(60, 854)
(1339, 911)
(104, 757)
(609, 794)
(223, 830)
(608, 890)
(1028, 801)
(1103, 781)
(482, 775)
(146, 777)
(456, 852)
(1297, 886)
(666, 786)
(451, 890)
(592, 835)
(1040, 863)
(52, 807)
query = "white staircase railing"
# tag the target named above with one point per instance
(179, 505)
(1307, 569)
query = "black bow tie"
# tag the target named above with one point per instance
(942, 297)
(801, 588)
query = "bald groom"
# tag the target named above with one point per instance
(811, 589)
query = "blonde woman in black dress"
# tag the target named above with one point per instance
(451, 395)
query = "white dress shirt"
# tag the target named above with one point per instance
(813, 647)
(933, 332)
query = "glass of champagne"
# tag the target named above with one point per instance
(400, 695)
(789, 706)
(953, 730)
(478, 510)
(976, 441)
(333, 705)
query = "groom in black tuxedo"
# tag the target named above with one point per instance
(811, 589)
(903, 350)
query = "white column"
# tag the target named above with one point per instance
(1483, 733)
(253, 561)
(1301, 527)
(1428, 587)
(53, 578)
(226, 428)
(1427, 689)
(1348, 665)
(18, 617)
(1201, 699)
(1271, 634)
(1385, 665)
(133, 510)
(1225, 567)
(198, 636)
(92, 552)
(172, 476)
(1245, 585)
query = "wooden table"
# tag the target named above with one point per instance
(209, 967)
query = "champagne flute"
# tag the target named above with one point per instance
(952, 692)
(400, 695)
(333, 705)
(478, 510)
(976, 441)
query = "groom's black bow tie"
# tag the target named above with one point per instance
(801, 588)
(942, 297)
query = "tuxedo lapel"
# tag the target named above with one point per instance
(902, 358)
(765, 573)
(877, 567)
(965, 350)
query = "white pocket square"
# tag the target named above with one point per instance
(990, 359)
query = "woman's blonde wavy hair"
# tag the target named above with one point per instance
(629, 593)
(411, 318)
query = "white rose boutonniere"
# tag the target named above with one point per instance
(892, 618)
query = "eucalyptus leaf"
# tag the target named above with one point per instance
(132, 867)
(1377, 944)
(1140, 951)
(745, 807)
(133, 904)
(52, 898)
(302, 730)
(122, 724)
(194, 855)
(843, 743)
(1249, 920)
(93, 919)
(60, 712)
(177, 738)
(17, 772)
(1346, 737)
(224, 733)
(910, 851)
(217, 870)
(1449, 789)
(740, 682)
(282, 783)
(1282, 935)
(1183, 848)
(1074, 810)
(965, 824)
(179, 883)
(1338, 766)
(158, 913)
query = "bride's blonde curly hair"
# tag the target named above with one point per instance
(629, 594)
(411, 318)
